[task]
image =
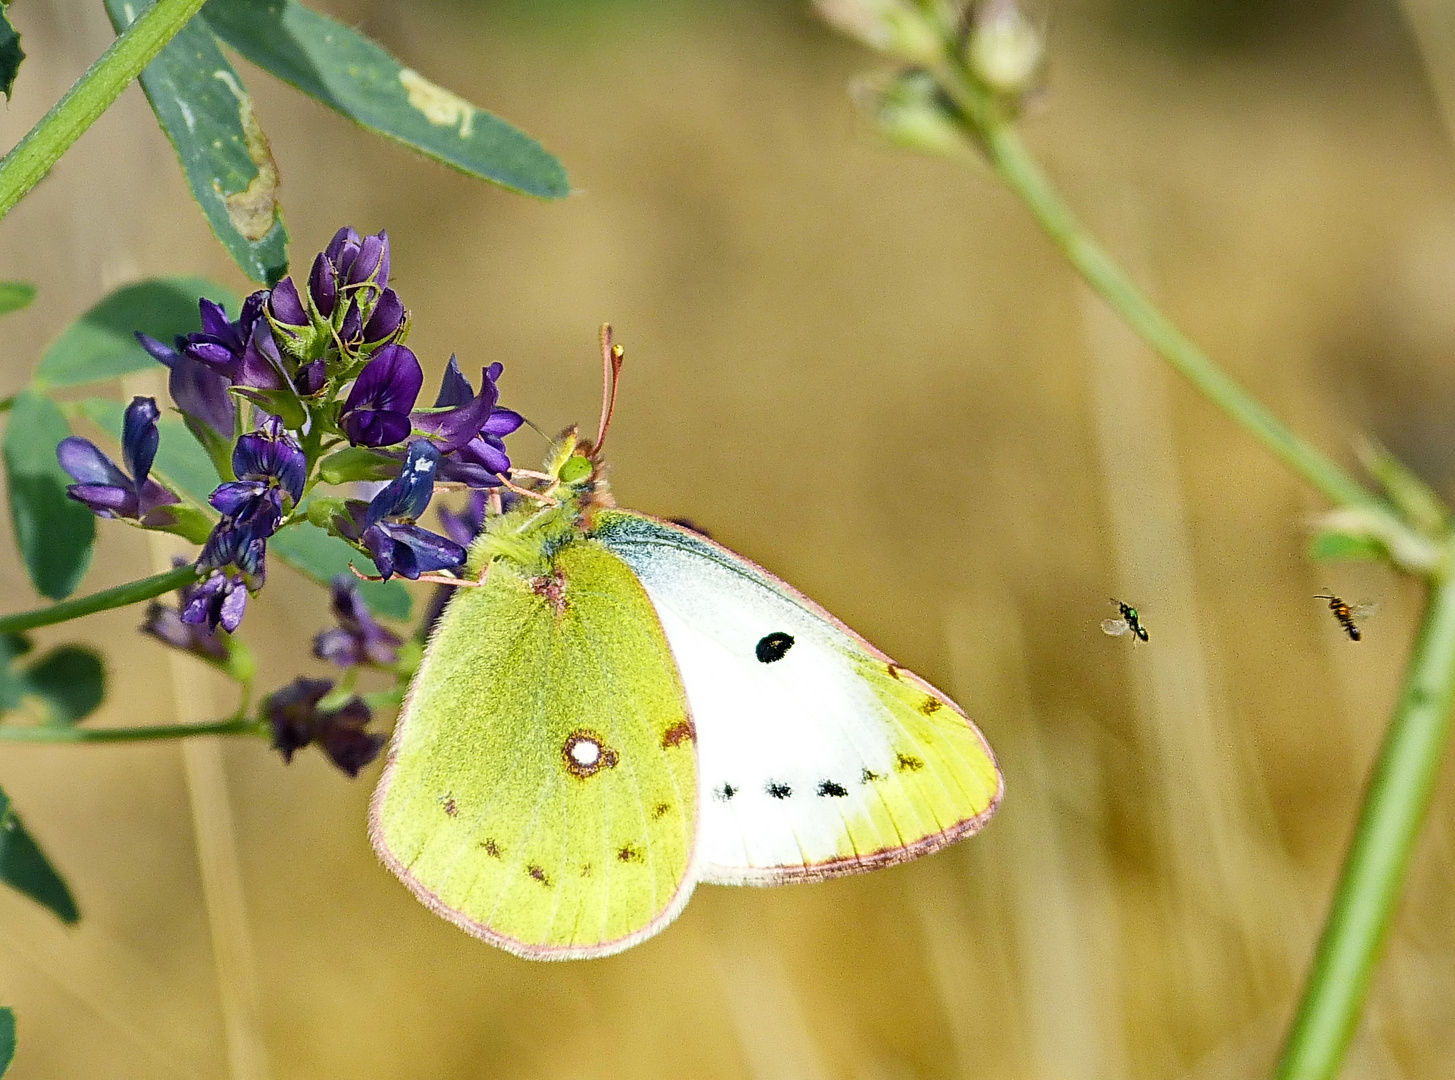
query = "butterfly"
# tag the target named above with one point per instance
(624, 708)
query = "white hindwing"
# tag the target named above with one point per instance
(817, 755)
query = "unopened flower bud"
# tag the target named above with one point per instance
(899, 27)
(912, 111)
(1005, 48)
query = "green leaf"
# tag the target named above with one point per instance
(10, 56)
(352, 74)
(23, 866)
(323, 558)
(101, 344)
(1334, 545)
(181, 462)
(70, 680)
(12, 683)
(205, 111)
(7, 1038)
(1414, 499)
(15, 295)
(52, 530)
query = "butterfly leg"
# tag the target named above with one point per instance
(527, 492)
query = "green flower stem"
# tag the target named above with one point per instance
(57, 734)
(132, 592)
(1016, 166)
(1389, 822)
(91, 96)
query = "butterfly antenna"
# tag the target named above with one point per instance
(611, 361)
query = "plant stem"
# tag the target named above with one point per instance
(1016, 166)
(91, 96)
(57, 734)
(1389, 822)
(132, 592)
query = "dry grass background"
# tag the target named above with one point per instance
(869, 372)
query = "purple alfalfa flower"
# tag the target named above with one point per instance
(471, 430)
(297, 721)
(270, 467)
(108, 490)
(357, 260)
(199, 391)
(164, 623)
(376, 412)
(234, 560)
(385, 527)
(243, 351)
(464, 525)
(357, 639)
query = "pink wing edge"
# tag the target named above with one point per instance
(831, 868)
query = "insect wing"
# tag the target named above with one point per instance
(1115, 627)
(817, 754)
(541, 787)
(1364, 611)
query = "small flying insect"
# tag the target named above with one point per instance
(1346, 613)
(1129, 623)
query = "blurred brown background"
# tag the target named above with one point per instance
(870, 372)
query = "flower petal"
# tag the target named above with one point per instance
(88, 465)
(285, 305)
(407, 495)
(139, 438)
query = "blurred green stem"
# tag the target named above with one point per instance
(1389, 822)
(1400, 788)
(91, 96)
(133, 592)
(55, 733)
(1016, 166)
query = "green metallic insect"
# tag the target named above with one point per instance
(1129, 623)
(621, 708)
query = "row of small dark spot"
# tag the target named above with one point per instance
(827, 789)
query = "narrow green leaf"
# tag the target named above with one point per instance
(24, 867)
(10, 56)
(352, 74)
(7, 1038)
(181, 462)
(1333, 545)
(52, 530)
(101, 344)
(70, 680)
(15, 295)
(322, 557)
(1414, 499)
(205, 111)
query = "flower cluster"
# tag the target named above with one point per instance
(310, 384)
(309, 381)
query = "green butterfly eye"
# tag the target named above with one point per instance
(576, 469)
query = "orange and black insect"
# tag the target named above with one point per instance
(1344, 613)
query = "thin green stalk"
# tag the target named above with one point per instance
(1016, 166)
(56, 734)
(133, 592)
(1389, 823)
(91, 96)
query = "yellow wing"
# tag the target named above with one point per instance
(541, 788)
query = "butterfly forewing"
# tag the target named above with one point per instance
(541, 789)
(817, 754)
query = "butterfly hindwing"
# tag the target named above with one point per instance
(817, 754)
(541, 788)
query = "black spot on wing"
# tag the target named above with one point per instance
(773, 647)
(831, 789)
(868, 776)
(726, 792)
(777, 790)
